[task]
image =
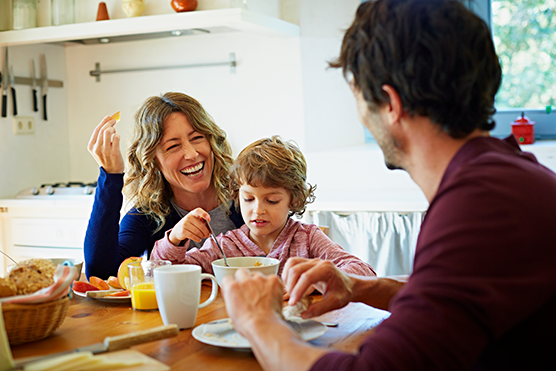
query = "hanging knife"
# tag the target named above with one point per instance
(44, 84)
(2, 94)
(11, 84)
(5, 84)
(34, 87)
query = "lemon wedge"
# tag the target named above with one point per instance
(115, 116)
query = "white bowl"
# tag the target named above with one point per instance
(269, 266)
(77, 263)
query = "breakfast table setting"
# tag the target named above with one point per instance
(172, 336)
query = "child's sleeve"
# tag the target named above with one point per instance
(323, 247)
(165, 250)
(204, 256)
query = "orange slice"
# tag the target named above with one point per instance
(115, 116)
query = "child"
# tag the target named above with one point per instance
(268, 181)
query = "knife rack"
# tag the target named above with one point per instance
(29, 81)
(232, 63)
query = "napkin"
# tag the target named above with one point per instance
(63, 278)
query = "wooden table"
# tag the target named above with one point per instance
(89, 321)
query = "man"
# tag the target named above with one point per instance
(482, 294)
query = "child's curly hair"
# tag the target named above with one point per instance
(274, 163)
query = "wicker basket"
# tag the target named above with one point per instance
(30, 322)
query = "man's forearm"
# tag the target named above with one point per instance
(375, 291)
(277, 347)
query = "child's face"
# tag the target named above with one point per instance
(264, 210)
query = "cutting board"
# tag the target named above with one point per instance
(150, 364)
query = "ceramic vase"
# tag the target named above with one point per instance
(133, 8)
(102, 13)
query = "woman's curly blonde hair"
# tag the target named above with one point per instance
(145, 186)
(274, 163)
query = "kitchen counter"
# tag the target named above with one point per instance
(371, 186)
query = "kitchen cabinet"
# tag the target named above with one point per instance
(165, 25)
(43, 228)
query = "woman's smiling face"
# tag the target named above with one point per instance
(185, 157)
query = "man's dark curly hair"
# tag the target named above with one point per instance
(437, 54)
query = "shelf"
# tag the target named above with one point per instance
(202, 21)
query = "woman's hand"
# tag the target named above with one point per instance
(104, 145)
(192, 226)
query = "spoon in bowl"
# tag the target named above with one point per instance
(9, 257)
(216, 242)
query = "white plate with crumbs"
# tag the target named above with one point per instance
(221, 333)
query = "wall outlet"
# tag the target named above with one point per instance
(24, 125)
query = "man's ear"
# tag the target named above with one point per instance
(394, 108)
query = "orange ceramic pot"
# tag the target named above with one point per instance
(184, 5)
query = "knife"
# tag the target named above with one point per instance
(44, 84)
(34, 87)
(4, 83)
(11, 84)
(111, 343)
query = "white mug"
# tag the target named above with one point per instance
(178, 291)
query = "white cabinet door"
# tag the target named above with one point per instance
(44, 232)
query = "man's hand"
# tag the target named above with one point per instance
(252, 299)
(254, 303)
(192, 226)
(336, 286)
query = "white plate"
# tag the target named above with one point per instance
(113, 299)
(222, 334)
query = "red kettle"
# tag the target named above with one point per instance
(523, 129)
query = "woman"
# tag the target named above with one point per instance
(178, 168)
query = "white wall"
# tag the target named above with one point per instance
(262, 98)
(29, 160)
(282, 85)
(330, 117)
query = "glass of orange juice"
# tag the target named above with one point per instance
(141, 279)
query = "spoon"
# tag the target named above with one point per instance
(9, 257)
(216, 242)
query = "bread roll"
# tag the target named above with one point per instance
(42, 265)
(7, 288)
(29, 279)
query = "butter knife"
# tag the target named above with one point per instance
(111, 343)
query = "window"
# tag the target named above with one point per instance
(524, 34)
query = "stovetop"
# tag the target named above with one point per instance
(58, 190)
